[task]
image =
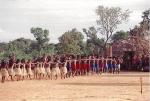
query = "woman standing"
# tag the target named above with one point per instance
(11, 65)
(4, 72)
(23, 69)
(63, 68)
(47, 66)
(36, 68)
(29, 70)
(41, 68)
(55, 69)
(18, 72)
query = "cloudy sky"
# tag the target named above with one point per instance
(18, 16)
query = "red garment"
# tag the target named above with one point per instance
(77, 65)
(82, 65)
(73, 66)
(101, 64)
(85, 65)
(88, 65)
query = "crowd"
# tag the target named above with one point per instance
(52, 67)
(140, 62)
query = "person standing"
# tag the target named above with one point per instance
(11, 65)
(23, 69)
(4, 72)
(18, 71)
(29, 70)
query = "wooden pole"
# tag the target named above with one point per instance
(141, 84)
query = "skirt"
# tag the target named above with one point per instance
(37, 70)
(29, 71)
(11, 71)
(63, 70)
(24, 72)
(42, 70)
(48, 71)
(4, 72)
(56, 71)
(18, 71)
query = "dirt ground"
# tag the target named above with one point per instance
(106, 87)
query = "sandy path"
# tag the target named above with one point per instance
(107, 87)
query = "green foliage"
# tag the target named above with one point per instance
(41, 36)
(119, 35)
(71, 42)
(94, 44)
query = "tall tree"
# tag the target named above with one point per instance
(109, 19)
(41, 36)
(119, 35)
(71, 42)
(94, 43)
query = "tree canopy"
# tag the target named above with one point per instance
(108, 20)
(119, 35)
(41, 36)
(71, 42)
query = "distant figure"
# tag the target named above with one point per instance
(3, 69)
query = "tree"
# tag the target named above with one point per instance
(119, 35)
(94, 43)
(71, 42)
(109, 19)
(41, 36)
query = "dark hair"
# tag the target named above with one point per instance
(23, 61)
(3, 62)
(29, 60)
(18, 60)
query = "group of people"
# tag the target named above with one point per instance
(52, 67)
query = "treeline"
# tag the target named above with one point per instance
(72, 41)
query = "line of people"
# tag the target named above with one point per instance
(52, 67)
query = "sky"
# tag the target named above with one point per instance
(59, 16)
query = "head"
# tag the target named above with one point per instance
(18, 61)
(23, 61)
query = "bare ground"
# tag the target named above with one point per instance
(107, 87)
